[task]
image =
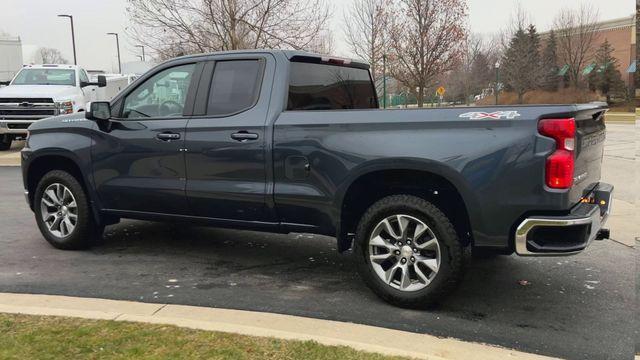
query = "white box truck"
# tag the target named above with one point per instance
(10, 57)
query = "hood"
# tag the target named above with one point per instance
(57, 92)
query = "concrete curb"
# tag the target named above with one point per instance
(11, 159)
(360, 337)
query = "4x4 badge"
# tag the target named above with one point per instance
(494, 115)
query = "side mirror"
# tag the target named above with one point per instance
(102, 81)
(98, 111)
(5, 83)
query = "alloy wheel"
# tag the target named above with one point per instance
(59, 210)
(404, 252)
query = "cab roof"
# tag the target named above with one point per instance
(294, 55)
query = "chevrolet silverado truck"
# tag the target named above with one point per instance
(286, 141)
(41, 91)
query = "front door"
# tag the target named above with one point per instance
(138, 161)
(226, 140)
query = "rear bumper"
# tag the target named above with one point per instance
(565, 235)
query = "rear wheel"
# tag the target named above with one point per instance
(5, 142)
(407, 251)
(62, 212)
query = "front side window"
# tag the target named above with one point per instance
(45, 77)
(329, 87)
(162, 95)
(235, 86)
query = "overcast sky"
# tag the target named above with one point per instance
(36, 23)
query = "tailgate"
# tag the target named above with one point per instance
(590, 136)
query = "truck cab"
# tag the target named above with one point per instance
(40, 91)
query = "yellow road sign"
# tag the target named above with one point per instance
(441, 90)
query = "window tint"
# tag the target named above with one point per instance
(328, 87)
(162, 95)
(235, 86)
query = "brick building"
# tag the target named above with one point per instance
(621, 33)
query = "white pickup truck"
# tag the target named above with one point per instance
(41, 91)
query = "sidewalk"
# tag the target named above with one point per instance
(360, 337)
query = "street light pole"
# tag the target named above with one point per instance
(117, 46)
(384, 81)
(73, 38)
(497, 80)
(142, 47)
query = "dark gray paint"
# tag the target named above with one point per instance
(496, 165)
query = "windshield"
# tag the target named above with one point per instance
(45, 77)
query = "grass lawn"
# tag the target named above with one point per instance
(47, 337)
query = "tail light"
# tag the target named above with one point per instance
(560, 164)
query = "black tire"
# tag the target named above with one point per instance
(452, 255)
(5, 142)
(86, 233)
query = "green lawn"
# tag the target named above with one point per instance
(47, 337)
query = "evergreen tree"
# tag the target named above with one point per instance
(550, 68)
(606, 77)
(522, 65)
(535, 60)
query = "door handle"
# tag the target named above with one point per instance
(168, 136)
(244, 136)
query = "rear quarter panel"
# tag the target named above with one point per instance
(496, 165)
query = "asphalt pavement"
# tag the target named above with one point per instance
(580, 307)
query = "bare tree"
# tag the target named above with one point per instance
(46, 55)
(195, 26)
(473, 72)
(366, 31)
(520, 18)
(322, 43)
(576, 32)
(426, 38)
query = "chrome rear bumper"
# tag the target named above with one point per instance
(565, 235)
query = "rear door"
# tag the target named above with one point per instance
(138, 161)
(227, 138)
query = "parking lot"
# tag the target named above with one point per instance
(576, 307)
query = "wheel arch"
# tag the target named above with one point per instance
(41, 164)
(435, 182)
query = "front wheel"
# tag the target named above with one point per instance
(407, 251)
(62, 212)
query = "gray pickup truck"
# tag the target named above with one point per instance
(285, 141)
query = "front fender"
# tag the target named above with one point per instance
(46, 147)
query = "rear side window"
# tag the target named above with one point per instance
(329, 87)
(235, 86)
